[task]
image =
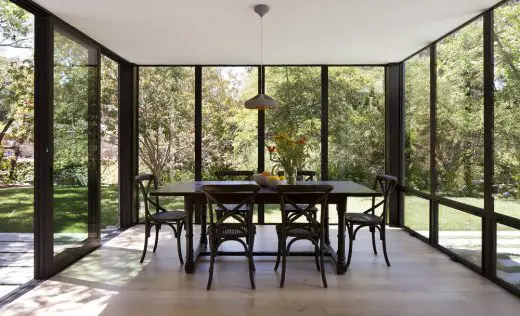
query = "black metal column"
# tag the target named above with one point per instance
(394, 136)
(489, 225)
(434, 206)
(198, 123)
(43, 146)
(261, 139)
(127, 143)
(324, 123)
(94, 143)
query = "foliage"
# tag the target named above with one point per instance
(289, 152)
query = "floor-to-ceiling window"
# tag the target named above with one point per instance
(75, 137)
(298, 91)
(229, 130)
(459, 152)
(109, 144)
(16, 146)
(356, 128)
(166, 130)
(417, 141)
(506, 189)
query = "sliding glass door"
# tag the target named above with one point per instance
(76, 145)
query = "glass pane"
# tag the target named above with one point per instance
(508, 255)
(16, 146)
(229, 130)
(74, 92)
(507, 109)
(109, 145)
(166, 129)
(356, 123)
(417, 121)
(461, 233)
(460, 105)
(298, 91)
(417, 214)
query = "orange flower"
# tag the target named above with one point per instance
(271, 149)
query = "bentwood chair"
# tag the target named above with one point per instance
(220, 229)
(174, 219)
(311, 230)
(386, 184)
(233, 175)
(302, 175)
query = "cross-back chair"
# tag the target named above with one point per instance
(312, 229)
(174, 219)
(386, 184)
(221, 230)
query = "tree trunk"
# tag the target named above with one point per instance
(6, 127)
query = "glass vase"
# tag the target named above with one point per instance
(291, 174)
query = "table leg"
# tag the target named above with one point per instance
(326, 224)
(203, 238)
(189, 266)
(341, 266)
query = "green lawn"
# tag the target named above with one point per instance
(16, 210)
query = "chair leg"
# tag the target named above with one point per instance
(157, 228)
(383, 238)
(373, 231)
(279, 253)
(284, 260)
(350, 242)
(179, 249)
(146, 234)
(251, 266)
(251, 249)
(316, 256)
(322, 262)
(212, 263)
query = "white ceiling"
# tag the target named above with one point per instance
(295, 31)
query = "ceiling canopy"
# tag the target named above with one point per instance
(295, 31)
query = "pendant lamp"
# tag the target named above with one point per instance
(261, 101)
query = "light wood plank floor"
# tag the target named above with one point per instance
(111, 281)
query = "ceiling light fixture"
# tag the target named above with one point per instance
(261, 101)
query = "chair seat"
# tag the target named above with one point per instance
(300, 230)
(243, 208)
(170, 216)
(291, 208)
(229, 230)
(362, 218)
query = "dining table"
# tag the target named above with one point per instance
(195, 203)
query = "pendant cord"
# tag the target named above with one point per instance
(262, 56)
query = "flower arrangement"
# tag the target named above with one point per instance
(289, 153)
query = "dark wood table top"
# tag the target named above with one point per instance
(192, 188)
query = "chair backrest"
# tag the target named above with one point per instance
(146, 182)
(386, 185)
(303, 198)
(239, 175)
(302, 175)
(226, 196)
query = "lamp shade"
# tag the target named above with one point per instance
(261, 102)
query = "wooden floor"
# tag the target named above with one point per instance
(111, 281)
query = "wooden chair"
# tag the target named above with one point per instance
(302, 175)
(242, 196)
(312, 230)
(234, 175)
(174, 219)
(368, 218)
